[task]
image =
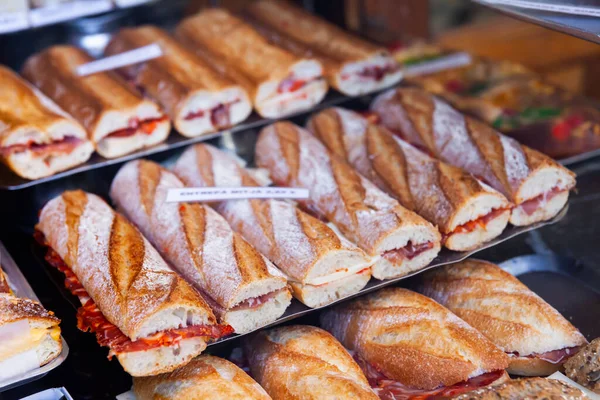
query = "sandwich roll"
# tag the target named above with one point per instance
(537, 185)
(198, 99)
(279, 83)
(467, 212)
(244, 289)
(367, 216)
(204, 378)
(149, 317)
(304, 362)
(37, 138)
(526, 388)
(352, 65)
(321, 266)
(117, 118)
(535, 336)
(407, 344)
(584, 367)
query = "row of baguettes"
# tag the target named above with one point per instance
(211, 74)
(400, 344)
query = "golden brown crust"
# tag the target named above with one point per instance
(4, 286)
(392, 330)
(304, 363)
(528, 388)
(14, 309)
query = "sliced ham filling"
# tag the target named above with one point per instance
(248, 304)
(530, 206)
(480, 222)
(219, 114)
(135, 126)
(373, 72)
(388, 389)
(90, 318)
(554, 356)
(62, 146)
(408, 252)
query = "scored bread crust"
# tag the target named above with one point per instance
(518, 172)
(194, 238)
(204, 378)
(296, 242)
(444, 195)
(294, 362)
(503, 309)
(130, 283)
(362, 212)
(527, 388)
(412, 339)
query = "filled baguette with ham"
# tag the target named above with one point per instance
(537, 185)
(244, 289)
(149, 317)
(198, 99)
(364, 214)
(279, 82)
(37, 138)
(467, 212)
(204, 378)
(409, 345)
(536, 337)
(352, 65)
(304, 362)
(321, 266)
(117, 118)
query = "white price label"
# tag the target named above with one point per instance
(592, 11)
(440, 64)
(234, 193)
(138, 55)
(66, 11)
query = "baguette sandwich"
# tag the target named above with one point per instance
(321, 266)
(537, 185)
(37, 138)
(117, 118)
(279, 83)
(536, 337)
(198, 99)
(244, 289)
(304, 362)
(467, 212)
(352, 65)
(409, 345)
(526, 388)
(367, 216)
(148, 316)
(204, 378)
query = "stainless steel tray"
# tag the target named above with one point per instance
(588, 155)
(21, 288)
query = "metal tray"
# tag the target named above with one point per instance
(588, 155)
(21, 288)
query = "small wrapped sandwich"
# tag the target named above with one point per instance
(537, 185)
(29, 336)
(279, 82)
(321, 265)
(151, 319)
(37, 138)
(352, 65)
(244, 289)
(117, 118)
(536, 337)
(408, 345)
(467, 212)
(198, 99)
(204, 378)
(304, 362)
(364, 214)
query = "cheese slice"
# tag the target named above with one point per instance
(337, 275)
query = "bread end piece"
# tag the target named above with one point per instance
(321, 295)
(247, 320)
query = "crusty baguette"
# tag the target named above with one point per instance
(352, 65)
(280, 83)
(201, 246)
(204, 378)
(303, 247)
(304, 362)
(505, 310)
(412, 339)
(362, 212)
(523, 175)
(446, 196)
(527, 388)
(103, 102)
(198, 99)
(28, 118)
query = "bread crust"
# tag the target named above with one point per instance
(13, 309)
(304, 362)
(392, 330)
(528, 388)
